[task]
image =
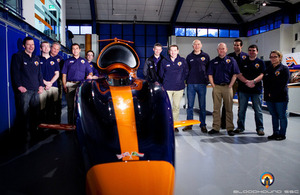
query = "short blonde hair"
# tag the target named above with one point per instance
(278, 53)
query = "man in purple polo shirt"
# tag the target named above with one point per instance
(222, 73)
(28, 84)
(73, 72)
(49, 97)
(173, 72)
(197, 81)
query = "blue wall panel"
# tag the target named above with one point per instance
(150, 40)
(4, 120)
(128, 29)
(14, 40)
(139, 41)
(150, 29)
(104, 29)
(139, 29)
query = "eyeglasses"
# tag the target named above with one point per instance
(271, 57)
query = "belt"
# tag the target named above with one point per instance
(73, 81)
(223, 84)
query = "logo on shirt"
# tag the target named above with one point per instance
(179, 63)
(244, 57)
(228, 61)
(58, 60)
(71, 61)
(82, 61)
(168, 65)
(52, 63)
(257, 65)
(202, 59)
(25, 63)
(191, 60)
(277, 73)
(91, 66)
(36, 63)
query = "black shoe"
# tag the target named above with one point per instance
(280, 137)
(213, 131)
(203, 129)
(230, 133)
(260, 133)
(176, 130)
(187, 128)
(238, 130)
(272, 137)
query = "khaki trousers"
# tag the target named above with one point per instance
(51, 93)
(224, 93)
(175, 98)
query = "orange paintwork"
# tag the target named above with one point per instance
(132, 177)
(185, 123)
(125, 117)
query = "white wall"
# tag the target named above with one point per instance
(282, 39)
(28, 11)
(63, 23)
(209, 45)
(80, 39)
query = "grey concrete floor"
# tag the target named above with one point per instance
(205, 164)
(220, 164)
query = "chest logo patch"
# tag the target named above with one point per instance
(202, 59)
(277, 73)
(179, 63)
(257, 65)
(58, 60)
(52, 63)
(91, 66)
(82, 61)
(36, 63)
(228, 61)
(244, 57)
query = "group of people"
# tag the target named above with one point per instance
(38, 87)
(38, 82)
(237, 71)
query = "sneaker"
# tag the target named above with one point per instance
(260, 133)
(280, 137)
(272, 137)
(237, 130)
(230, 133)
(176, 130)
(187, 128)
(203, 129)
(213, 131)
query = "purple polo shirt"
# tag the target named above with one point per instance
(76, 69)
(222, 69)
(49, 66)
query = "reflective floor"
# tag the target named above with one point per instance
(205, 164)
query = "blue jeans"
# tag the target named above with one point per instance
(200, 89)
(279, 117)
(257, 107)
(28, 109)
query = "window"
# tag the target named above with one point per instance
(212, 32)
(277, 24)
(223, 33)
(255, 31)
(234, 33)
(74, 29)
(179, 31)
(249, 33)
(264, 28)
(191, 32)
(85, 30)
(202, 32)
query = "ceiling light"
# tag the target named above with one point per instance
(264, 3)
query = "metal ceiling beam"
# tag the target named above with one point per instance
(175, 14)
(234, 13)
(176, 11)
(93, 14)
